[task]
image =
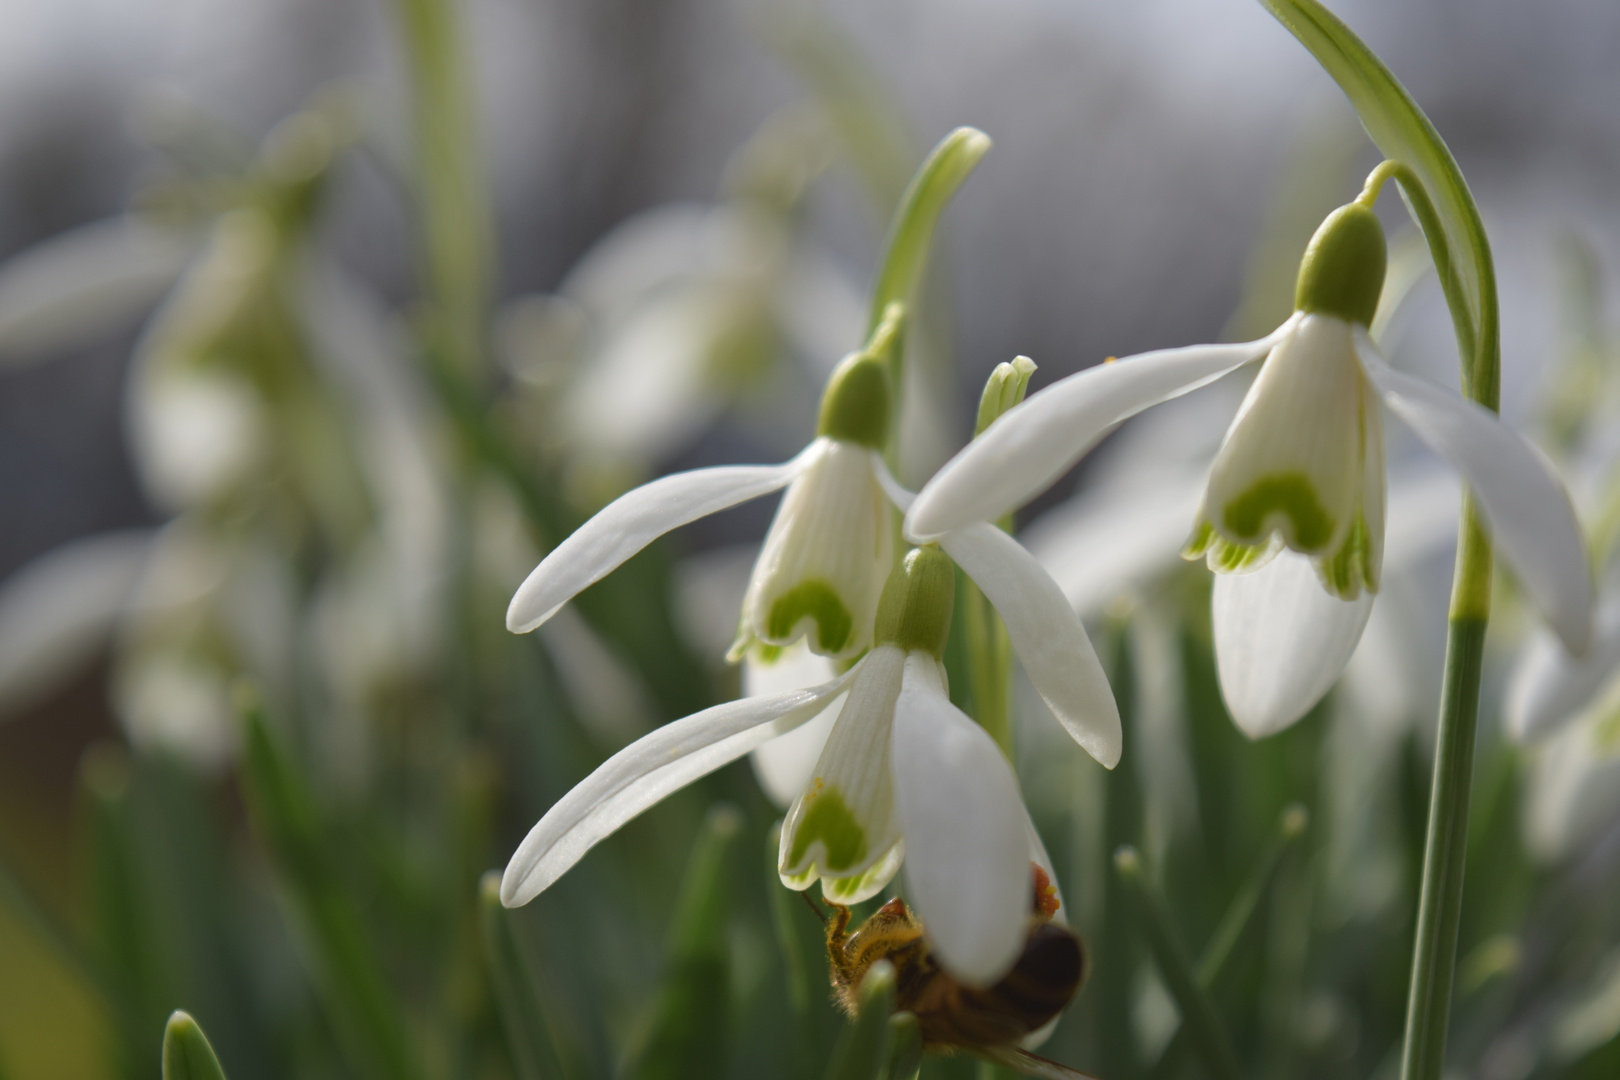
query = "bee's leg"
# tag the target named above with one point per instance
(814, 907)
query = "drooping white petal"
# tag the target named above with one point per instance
(1290, 463)
(1102, 543)
(967, 855)
(647, 771)
(83, 283)
(1527, 509)
(785, 766)
(1034, 443)
(1573, 792)
(1046, 634)
(844, 823)
(57, 610)
(631, 522)
(1549, 687)
(829, 550)
(1281, 641)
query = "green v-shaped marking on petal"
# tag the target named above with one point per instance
(829, 819)
(818, 601)
(1289, 493)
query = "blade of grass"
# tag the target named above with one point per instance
(187, 1054)
(690, 1023)
(863, 1049)
(1198, 1013)
(365, 1015)
(522, 1016)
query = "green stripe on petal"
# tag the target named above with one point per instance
(1223, 556)
(828, 818)
(819, 602)
(1352, 568)
(1252, 515)
(866, 884)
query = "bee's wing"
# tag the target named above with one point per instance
(1030, 1064)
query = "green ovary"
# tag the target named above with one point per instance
(1291, 494)
(816, 600)
(828, 818)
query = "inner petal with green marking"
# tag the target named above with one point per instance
(819, 602)
(828, 818)
(1253, 514)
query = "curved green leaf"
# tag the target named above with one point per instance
(1451, 221)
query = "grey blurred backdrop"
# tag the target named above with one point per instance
(1140, 150)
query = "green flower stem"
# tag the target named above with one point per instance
(1439, 199)
(365, 1015)
(863, 1050)
(455, 218)
(1434, 951)
(1198, 1015)
(187, 1054)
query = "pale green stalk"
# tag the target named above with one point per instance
(187, 1054)
(1439, 199)
(454, 221)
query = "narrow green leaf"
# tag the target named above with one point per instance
(1198, 1013)
(689, 1032)
(364, 1013)
(522, 1017)
(1452, 224)
(906, 1047)
(187, 1054)
(784, 920)
(863, 1049)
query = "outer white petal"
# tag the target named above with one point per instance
(647, 771)
(83, 282)
(1528, 510)
(967, 855)
(58, 610)
(1046, 634)
(844, 824)
(1281, 641)
(631, 522)
(1549, 686)
(1034, 443)
(784, 766)
(1102, 543)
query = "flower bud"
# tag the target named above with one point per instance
(1342, 272)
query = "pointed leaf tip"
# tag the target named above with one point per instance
(187, 1054)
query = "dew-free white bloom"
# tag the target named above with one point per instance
(904, 775)
(829, 547)
(1293, 510)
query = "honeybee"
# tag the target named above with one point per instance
(953, 1016)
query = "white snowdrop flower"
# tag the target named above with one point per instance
(1292, 516)
(904, 775)
(829, 548)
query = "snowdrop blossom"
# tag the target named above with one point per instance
(904, 775)
(1292, 517)
(828, 550)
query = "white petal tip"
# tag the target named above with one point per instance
(513, 893)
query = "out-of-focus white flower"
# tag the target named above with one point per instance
(1293, 512)
(57, 611)
(1573, 793)
(904, 775)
